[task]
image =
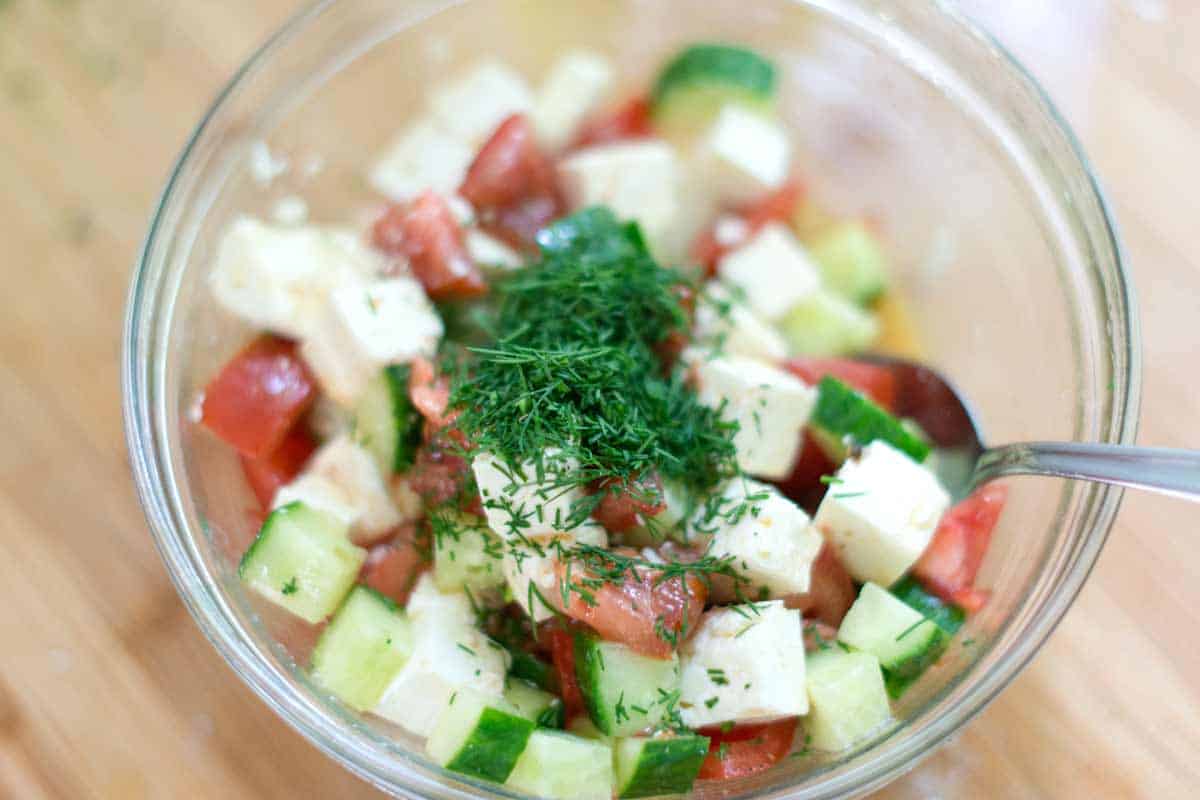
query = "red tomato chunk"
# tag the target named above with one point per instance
(621, 509)
(630, 120)
(426, 234)
(875, 381)
(830, 592)
(266, 475)
(512, 184)
(562, 652)
(746, 749)
(776, 206)
(949, 565)
(392, 568)
(257, 398)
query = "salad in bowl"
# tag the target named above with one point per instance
(571, 459)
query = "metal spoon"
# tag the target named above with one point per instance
(963, 462)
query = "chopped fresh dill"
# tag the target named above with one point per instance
(574, 368)
(290, 587)
(831, 480)
(464, 648)
(717, 676)
(712, 701)
(847, 495)
(619, 710)
(911, 628)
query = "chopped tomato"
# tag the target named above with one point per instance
(392, 568)
(874, 380)
(778, 205)
(562, 653)
(804, 485)
(440, 477)
(513, 184)
(745, 749)
(830, 592)
(257, 398)
(621, 508)
(425, 233)
(640, 610)
(266, 475)
(629, 120)
(818, 636)
(430, 394)
(949, 565)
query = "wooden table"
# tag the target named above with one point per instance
(107, 689)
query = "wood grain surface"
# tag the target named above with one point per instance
(108, 690)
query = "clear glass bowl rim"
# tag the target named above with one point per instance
(159, 493)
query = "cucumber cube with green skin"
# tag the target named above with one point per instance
(825, 324)
(302, 561)
(704, 78)
(559, 766)
(852, 263)
(365, 644)
(847, 699)
(844, 414)
(623, 691)
(651, 767)
(903, 640)
(386, 423)
(479, 736)
(543, 708)
(531, 669)
(946, 616)
(466, 555)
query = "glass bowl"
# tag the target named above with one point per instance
(1001, 241)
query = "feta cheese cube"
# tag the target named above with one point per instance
(638, 180)
(343, 480)
(575, 86)
(770, 406)
(532, 569)
(279, 278)
(772, 541)
(744, 664)
(728, 326)
(773, 270)
(881, 513)
(491, 252)
(744, 155)
(448, 655)
(471, 108)
(518, 502)
(426, 600)
(364, 328)
(422, 157)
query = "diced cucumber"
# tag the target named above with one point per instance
(652, 767)
(560, 766)
(385, 422)
(479, 736)
(302, 561)
(843, 413)
(695, 85)
(852, 263)
(672, 521)
(532, 703)
(365, 644)
(824, 324)
(531, 669)
(946, 616)
(623, 691)
(903, 640)
(466, 554)
(847, 698)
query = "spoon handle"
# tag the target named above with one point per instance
(1158, 469)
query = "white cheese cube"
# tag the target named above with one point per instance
(744, 664)
(881, 513)
(637, 180)
(729, 327)
(447, 656)
(367, 327)
(279, 278)
(473, 106)
(422, 157)
(770, 406)
(426, 600)
(743, 155)
(518, 502)
(343, 480)
(772, 541)
(773, 270)
(575, 86)
(532, 569)
(489, 251)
